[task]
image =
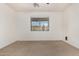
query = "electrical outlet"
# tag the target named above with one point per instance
(66, 38)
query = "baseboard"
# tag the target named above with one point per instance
(38, 39)
(7, 44)
(71, 44)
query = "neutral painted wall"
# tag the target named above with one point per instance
(7, 25)
(60, 25)
(55, 26)
(71, 16)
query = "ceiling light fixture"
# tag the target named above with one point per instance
(48, 3)
(37, 4)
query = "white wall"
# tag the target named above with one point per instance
(7, 25)
(71, 16)
(55, 26)
(60, 25)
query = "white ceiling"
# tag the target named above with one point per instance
(25, 7)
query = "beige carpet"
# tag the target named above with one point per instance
(39, 48)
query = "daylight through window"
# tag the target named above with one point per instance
(39, 24)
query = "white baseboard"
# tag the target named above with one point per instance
(7, 43)
(32, 39)
(71, 44)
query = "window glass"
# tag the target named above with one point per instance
(40, 24)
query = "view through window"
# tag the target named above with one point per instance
(39, 24)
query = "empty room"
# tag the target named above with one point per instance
(39, 29)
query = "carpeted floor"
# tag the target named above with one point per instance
(39, 48)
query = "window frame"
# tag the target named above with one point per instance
(40, 20)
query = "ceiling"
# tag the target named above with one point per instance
(25, 7)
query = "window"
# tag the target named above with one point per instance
(39, 24)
